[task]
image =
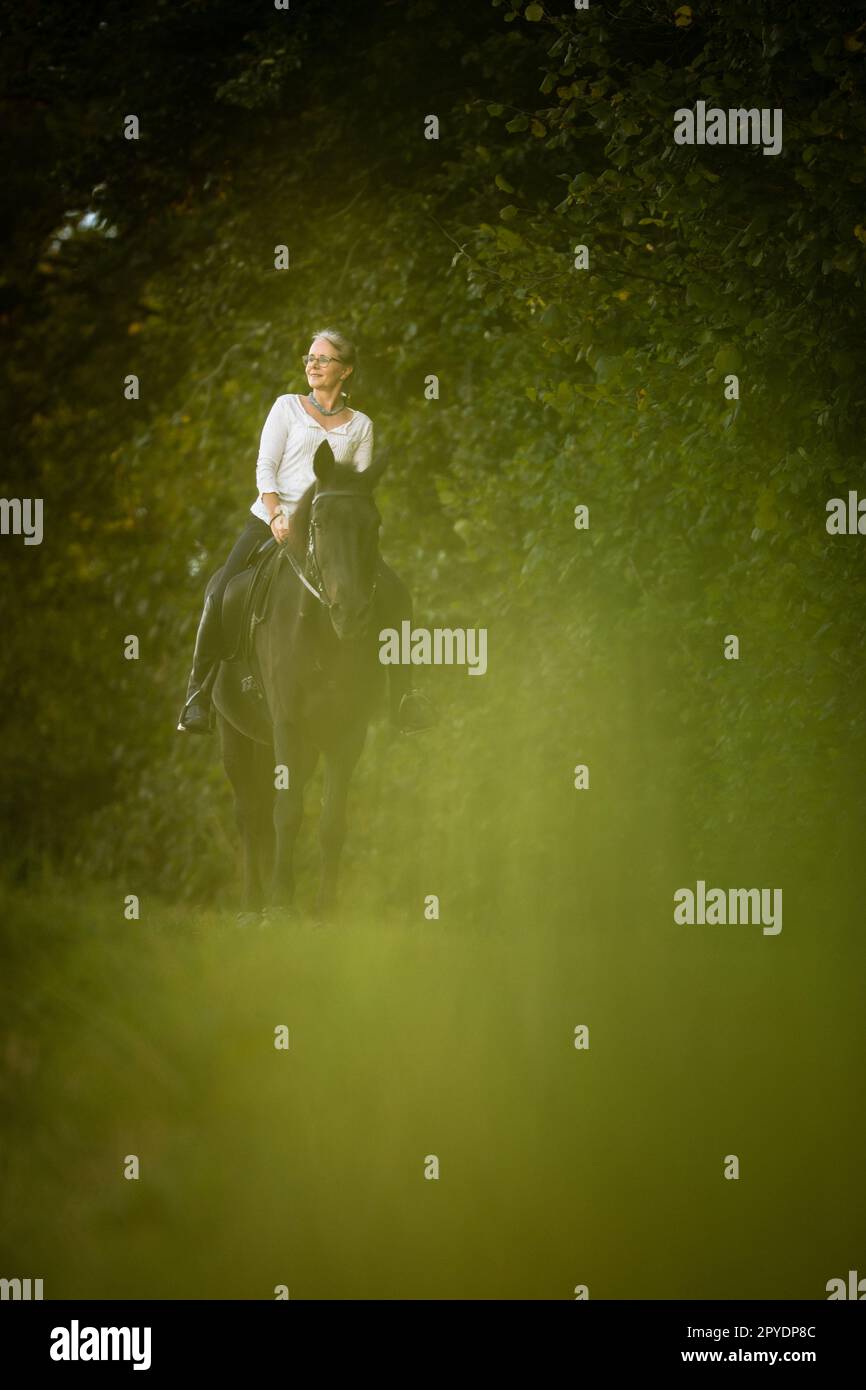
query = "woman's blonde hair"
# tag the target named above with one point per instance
(345, 347)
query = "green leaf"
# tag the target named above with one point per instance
(701, 295)
(508, 240)
(607, 368)
(727, 359)
(552, 318)
(533, 13)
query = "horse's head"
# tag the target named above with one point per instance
(343, 551)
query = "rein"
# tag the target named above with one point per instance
(317, 588)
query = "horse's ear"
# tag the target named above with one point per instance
(371, 475)
(324, 461)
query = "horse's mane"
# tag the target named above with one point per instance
(299, 522)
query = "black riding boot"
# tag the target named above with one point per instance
(196, 717)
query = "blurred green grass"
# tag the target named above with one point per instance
(262, 1167)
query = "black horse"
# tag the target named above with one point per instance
(311, 684)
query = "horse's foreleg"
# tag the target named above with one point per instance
(291, 772)
(394, 606)
(339, 766)
(265, 823)
(239, 761)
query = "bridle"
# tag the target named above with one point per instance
(317, 587)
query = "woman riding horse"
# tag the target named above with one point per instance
(293, 431)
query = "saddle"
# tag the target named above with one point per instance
(245, 601)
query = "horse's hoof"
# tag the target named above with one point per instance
(248, 919)
(416, 713)
(280, 917)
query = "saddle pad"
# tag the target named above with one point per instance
(244, 601)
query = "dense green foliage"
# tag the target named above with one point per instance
(451, 257)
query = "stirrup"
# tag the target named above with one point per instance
(199, 727)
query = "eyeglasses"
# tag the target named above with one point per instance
(310, 357)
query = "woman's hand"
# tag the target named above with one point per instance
(279, 528)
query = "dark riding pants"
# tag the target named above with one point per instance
(255, 531)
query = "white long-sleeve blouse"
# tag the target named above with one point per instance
(289, 440)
